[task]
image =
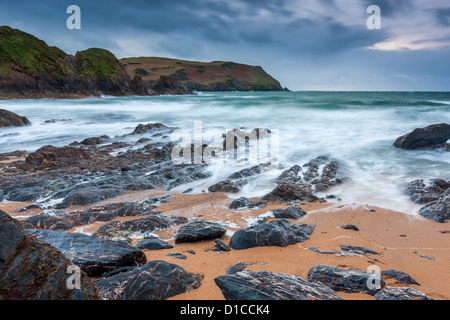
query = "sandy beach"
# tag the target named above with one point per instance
(399, 238)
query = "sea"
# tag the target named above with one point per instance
(357, 129)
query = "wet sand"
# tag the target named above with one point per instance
(398, 237)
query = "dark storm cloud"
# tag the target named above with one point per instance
(443, 16)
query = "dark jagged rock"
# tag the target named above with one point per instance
(317, 250)
(177, 255)
(275, 233)
(358, 249)
(123, 230)
(94, 256)
(10, 119)
(422, 138)
(199, 230)
(345, 279)
(399, 276)
(150, 127)
(349, 227)
(291, 175)
(52, 157)
(66, 222)
(90, 195)
(421, 192)
(264, 285)
(237, 180)
(222, 246)
(31, 269)
(245, 202)
(153, 244)
(235, 268)
(292, 212)
(401, 293)
(288, 192)
(438, 210)
(155, 280)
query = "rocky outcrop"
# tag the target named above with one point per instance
(346, 280)
(264, 285)
(31, 269)
(94, 256)
(400, 276)
(432, 136)
(275, 233)
(435, 194)
(199, 230)
(287, 192)
(10, 119)
(155, 280)
(124, 230)
(293, 212)
(401, 293)
(237, 180)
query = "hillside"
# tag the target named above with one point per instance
(201, 76)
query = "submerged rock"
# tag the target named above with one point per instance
(94, 256)
(275, 233)
(237, 180)
(31, 269)
(346, 280)
(155, 280)
(199, 230)
(401, 293)
(264, 285)
(422, 138)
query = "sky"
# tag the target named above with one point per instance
(305, 44)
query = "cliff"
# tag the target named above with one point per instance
(201, 76)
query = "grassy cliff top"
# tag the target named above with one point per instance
(204, 73)
(98, 62)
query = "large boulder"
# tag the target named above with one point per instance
(427, 137)
(199, 230)
(346, 280)
(264, 285)
(438, 210)
(10, 119)
(93, 255)
(401, 293)
(275, 233)
(31, 269)
(155, 280)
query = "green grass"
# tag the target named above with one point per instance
(98, 62)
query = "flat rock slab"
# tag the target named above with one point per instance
(264, 285)
(279, 233)
(93, 255)
(153, 244)
(345, 279)
(358, 249)
(124, 230)
(401, 293)
(31, 269)
(155, 280)
(199, 230)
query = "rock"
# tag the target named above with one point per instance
(237, 180)
(401, 293)
(317, 250)
(31, 269)
(291, 175)
(53, 157)
(292, 212)
(199, 230)
(427, 137)
(222, 246)
(264, 285)
(357, 249)
(95, 140)
(10, 119)
(94, 256)
(90, 195)
(421, 192)
(245, 202)
(399, 276)
(123, 230)
(345, 280)
(438, 210)
(151, 127)
(288, 192)
(177, 255)
(275, 233)
(155, 280)
(350, 227)
(235, 268)
(153, 244)
(426, 257)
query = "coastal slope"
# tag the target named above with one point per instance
(203, 76)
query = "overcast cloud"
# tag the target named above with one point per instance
(306, 44)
